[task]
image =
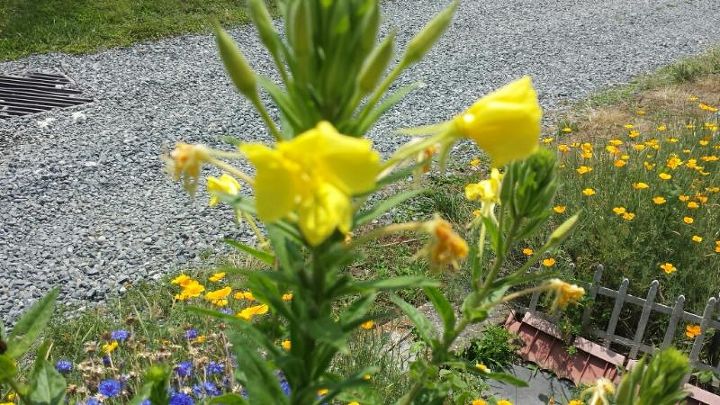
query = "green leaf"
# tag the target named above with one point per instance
(388, 103)
(30, 325)
(506, 378)
(443, 308)
(356, 313)
(265, 257)
(424, 327)
(385, 206)
(262, 385)
(228, 399)
(282, 100)
(47, 386)
(396, 283)
(400, 174)
(8, 370)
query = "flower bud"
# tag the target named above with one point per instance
(236, 65)
(261, 17)
(426, 38)
(504, 123)
(529, 186)
(563, 231)
(375, 65)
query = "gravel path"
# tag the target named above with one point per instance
(84, 204)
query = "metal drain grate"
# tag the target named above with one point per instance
(36, 92)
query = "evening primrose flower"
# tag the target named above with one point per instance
(564, 293)
(559, 209)
(314, 175)
(659, 200)
(504, 123)
(588, 192)
(445, 247)
(249, 312)
(223, 185)
(486, 191)
(185, 163)
(692, 331)
(668, 268)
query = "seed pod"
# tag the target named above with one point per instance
(300, 28)
(260, 15)
(236, 65)
(563, 231)
(375, 64)
(426, 38)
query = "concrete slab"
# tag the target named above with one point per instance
(543, 387)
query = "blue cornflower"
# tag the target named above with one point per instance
(181, 399)
(110, 388)
(120, 335)
(91, 401)
(191, 334)
(106, 361)
(64, 366)
(145, 402)
(226, 311)
(205, 389)
(184, 369)
(284, 384)
(215, 368)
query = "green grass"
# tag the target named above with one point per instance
(81, 26)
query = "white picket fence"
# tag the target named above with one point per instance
(648, 306)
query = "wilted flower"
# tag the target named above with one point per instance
(314, 175)
(185, 162)
(445, 247)
(564, 293)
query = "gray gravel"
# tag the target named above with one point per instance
(84, 204)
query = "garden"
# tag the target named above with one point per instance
(393, 276)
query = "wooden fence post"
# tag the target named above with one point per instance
(644, 317)
(592, 295)
(700, 339)
(677, 314)
(619, 301)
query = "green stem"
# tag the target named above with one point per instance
(381, 90)
(255, 100)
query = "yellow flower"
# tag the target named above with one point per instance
(565, 293)
(575, 402)
(619, 210)
(697, 238)
(703, 142)
(200, 339)
(185, 162)
(182, 280)
(707, 107)
(353, 403)
(588, 192)
(323, 391)
(109, 347)
(567, 130)
(628, 216)
(709, 158)
(692, 331)
(504, 402)
(314, 175)
(562, 148)
(505, 123)
(368, 325)
(703, 199)
(665, 176)
(528, 251)
(648, 165)
(683, 197)
(218, 297)
(249, 312)
(693, 98)
(668, 268)
(629, 126)
(192, 289)
(287, 297)
(225, 184)
(475, 162)
(613, 150)
(244, 295)
(482, 367)
(547, 140)
(713, 189)
(662, 127)
(286, 345)
(688, 220)
(549, 262)
(487, 191)
(673, 162)
(615, 142)
(446, 247)
(640, 186)
(639, 147)
(634, 133)
(478, 401)
(559, 209)
(673, 140)
(583, 170)
(600, 392)
(619, 163)
(659, 200)
(693, 205)
(717, 246)
(217, 277)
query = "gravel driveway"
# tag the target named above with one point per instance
(84, 203)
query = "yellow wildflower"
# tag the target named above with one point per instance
(487, 191)
(559, 209)
(109, 347)
(615, 142)
(567, 130)
(528, 251)
(482, 367)
(475, 162)
(692, 331)
(710, 158)
(314, 175)
(368, 325)
(640, 186)
(673, 140)
(688, 220)
(182, 280)
(648, 165)
(659, 200)
(322, 392)
(217, 277)
(244, 295)
(286, 345)
(697, 238)
(192, 289)
(549, 262)
(702, 198)
(563, 148)
(619, 163)
(504, 402)
(629, 126)
(717, 246)
(619, 210)
(703, 142)
(218, 297)
(713, 189)
(224, 185)
(639, 147)
(547, 140)
(478, 401)
(693, 205)
(575, 402)
(564, 293)
(707, 107)
(668, 268)
(583, 170)
(662, 127)
(634, 133)
(601, 390)
(613, 150)
(683, 197)
(628, 216)
(588, 192)
(249, 312)
(505, 123)
(673, 162)
(665, 176)
(287, 297)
